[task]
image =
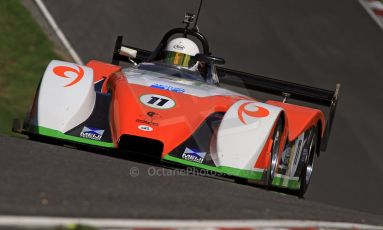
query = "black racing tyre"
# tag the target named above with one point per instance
(307, 170)
(272, 169)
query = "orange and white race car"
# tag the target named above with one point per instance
(170, 105)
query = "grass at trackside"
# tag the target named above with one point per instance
(24, 53)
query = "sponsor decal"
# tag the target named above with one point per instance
(152, 115)
(193, 155)
(145, 128)
(149, 118)
(157, 101)
(179, 47)
(146, 122)
(92, 133)
(251, 110)
(184, 81)
(62, 71)
(168, 87)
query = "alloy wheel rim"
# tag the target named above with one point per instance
(274, 155)
(310, 163)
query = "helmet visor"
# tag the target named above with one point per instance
(179, 59)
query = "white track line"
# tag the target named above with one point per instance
(58, 31)
(29, 221)
(371, 13)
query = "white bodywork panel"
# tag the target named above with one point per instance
(240, 142)
(175, 84)
(66, 96)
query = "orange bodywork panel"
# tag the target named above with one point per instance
(102, 70)
(263, 160)
(171, 126)
(299, 118)
(174, 125)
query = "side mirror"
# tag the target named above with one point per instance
(209, 59)
(127, 52)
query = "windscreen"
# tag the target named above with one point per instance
(171, 70)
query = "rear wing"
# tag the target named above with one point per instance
(323, 97)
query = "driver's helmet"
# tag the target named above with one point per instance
(179, 52)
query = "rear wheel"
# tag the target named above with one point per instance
(308, 167)
(272, 169)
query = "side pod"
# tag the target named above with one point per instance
(243, 133)
(65, 98)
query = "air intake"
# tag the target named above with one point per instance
(141, 146)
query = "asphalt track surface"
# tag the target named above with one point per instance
(58, 181)
(310, 42)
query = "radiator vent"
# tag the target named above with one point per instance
(141, 146)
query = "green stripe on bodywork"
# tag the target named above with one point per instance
(248, 174)
(59, 135)
(291, 183)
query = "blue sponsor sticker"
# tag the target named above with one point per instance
(92, 133)
(193, 155)
(168, 87)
